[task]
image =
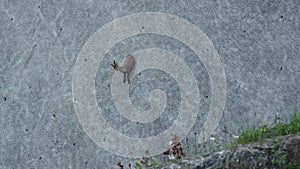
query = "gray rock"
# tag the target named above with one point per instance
(253, 155)
(257, 42)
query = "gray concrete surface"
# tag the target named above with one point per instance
(257, 42)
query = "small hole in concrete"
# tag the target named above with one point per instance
(60, 29)
(86, 163)
(280, 68)
(40, 158)
(57, 73)
(8, 60)
(26, 130)
(140, 74)
(29, 87)
(85, 60)
(74, 144)
(35, 45)
(39, 6)
(143, 27)
(207, 49)
(11, 19)
(54, 115)
(244, 31)
(206, 96)
(108, 85)
(281, 16)
(4, 98)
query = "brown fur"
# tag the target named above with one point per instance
(126, 68)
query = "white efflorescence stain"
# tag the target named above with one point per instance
(97, 46)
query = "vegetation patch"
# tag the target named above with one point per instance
(258, 134)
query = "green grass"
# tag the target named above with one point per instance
(260, 133)
(252, 135)
(255, 134)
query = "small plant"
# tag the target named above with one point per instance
(153, 164)
(176, 151)
(279, 158)
(120, 165)
(249, 135)
(144, 162)
(138, 165)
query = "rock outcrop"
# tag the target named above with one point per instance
(279, 152)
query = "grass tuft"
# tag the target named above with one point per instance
(257, 134)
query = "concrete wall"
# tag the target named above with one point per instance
(257, 43)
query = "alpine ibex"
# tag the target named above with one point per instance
(126, 68)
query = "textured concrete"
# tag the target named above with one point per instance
(257, 42)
